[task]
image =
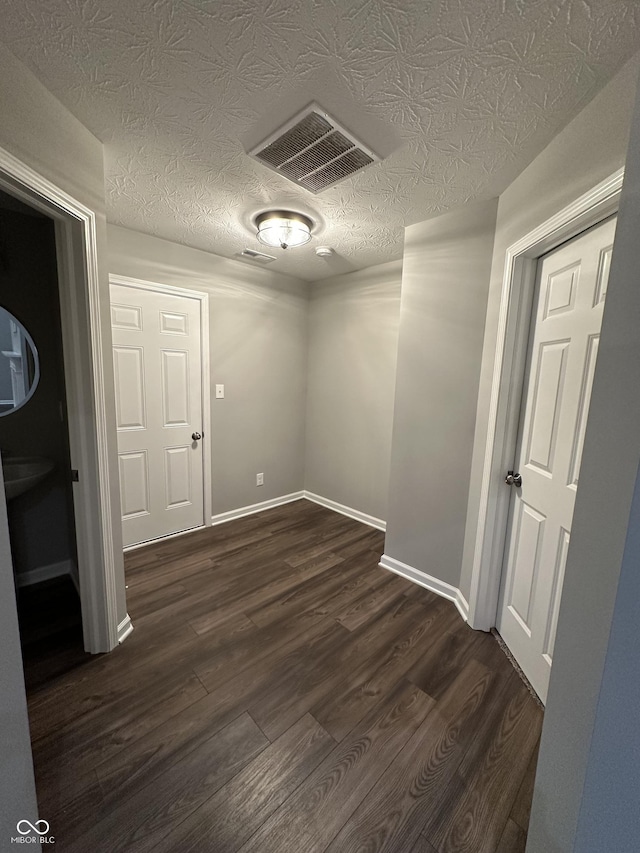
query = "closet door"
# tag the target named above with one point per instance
(157, 362)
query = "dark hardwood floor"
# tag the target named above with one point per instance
(281, 693)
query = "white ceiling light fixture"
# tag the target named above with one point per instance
(283, 228)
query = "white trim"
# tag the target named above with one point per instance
(84, 362)
(44, 573)
(156, 287)
(232, 514)
(203, 298)
(506, 388)
(124, 628)
(207, 449)
(356, 514)
(445, 590)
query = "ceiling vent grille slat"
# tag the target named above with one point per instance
(336, 171)
(291, 143)
(314, 151)
(317, 156)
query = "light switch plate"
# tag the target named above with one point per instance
(219, 392)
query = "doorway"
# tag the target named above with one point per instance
(76, 239)
(161, 360)
(501, 444)
(566, 318)
(34, 434)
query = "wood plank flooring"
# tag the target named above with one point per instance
(281, 693)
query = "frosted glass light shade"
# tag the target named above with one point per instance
(284, 229)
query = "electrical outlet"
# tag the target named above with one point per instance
(259, 479)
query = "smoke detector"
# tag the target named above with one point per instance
(314, 150)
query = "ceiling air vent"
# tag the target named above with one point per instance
(313, 151)
(260, 257)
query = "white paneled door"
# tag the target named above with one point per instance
(566, 319)
(157, 359)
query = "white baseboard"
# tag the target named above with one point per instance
(222, 517)
(45, 573)
(371, 520)
(429, 582)
(124, 628)
(232, 514)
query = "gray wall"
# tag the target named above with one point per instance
(445, 278)
(586, 789)
(588, 150)
(353, 340)
(258, 350)
(44, 135)
(17, 786)
(41, 520)
(609, 816)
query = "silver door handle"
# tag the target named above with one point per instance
(513, 479)
(196, 436)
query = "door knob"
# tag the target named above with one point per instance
(196, 436)
(513, 479)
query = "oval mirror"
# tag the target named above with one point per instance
(19, 368)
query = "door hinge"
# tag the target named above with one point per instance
(75, 477)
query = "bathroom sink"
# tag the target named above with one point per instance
(21, 473)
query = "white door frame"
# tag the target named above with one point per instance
(79, 286)
(203, 298)
(506, 387)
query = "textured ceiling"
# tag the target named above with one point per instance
(463, 92)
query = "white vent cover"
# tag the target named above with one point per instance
(260, 257)
(313, 150)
